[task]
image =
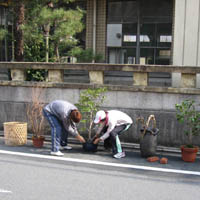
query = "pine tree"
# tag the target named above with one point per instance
(63, 24)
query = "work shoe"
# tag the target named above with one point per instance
(65, 148)
(120, 155)
(56, 153)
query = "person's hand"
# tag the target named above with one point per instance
(96, 141)
(94, 138)
(83, 140)
(80, 138)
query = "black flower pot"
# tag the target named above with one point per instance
(148, 143)
(89, 146)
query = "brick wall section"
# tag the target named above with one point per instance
(101, 26)
(89, 22)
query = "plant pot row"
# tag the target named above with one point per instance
(148, 146)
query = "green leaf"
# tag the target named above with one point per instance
(89, 102)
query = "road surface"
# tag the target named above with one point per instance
(44, 177)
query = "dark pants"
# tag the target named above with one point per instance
(59, 136)
(113, 140)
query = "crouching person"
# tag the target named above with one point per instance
(112, 124)
(62, 117)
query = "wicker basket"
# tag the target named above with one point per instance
(15, 133)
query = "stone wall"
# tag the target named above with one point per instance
(136, 103)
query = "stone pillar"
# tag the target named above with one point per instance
(197, 80)
(188, 80)
(140, 79)
(55, 75)
(18, 75)
(96, 77)
(176, 80)
(101, 28)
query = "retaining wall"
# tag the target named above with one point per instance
(135, 101)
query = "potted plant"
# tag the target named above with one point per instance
(89, 103)
(187, 114)
(35, 116)
(148, 137)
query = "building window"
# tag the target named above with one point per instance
(139, 31)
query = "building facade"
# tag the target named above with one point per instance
(145, 32)
(131, 31)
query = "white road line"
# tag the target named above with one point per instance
(102, 163)
(5, 191)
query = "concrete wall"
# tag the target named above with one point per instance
(13, 102)
(186, 35)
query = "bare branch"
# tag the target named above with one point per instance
(35, 111)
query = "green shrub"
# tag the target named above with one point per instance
(89, 103)
(187, 114)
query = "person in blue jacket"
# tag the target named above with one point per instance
(62, 117)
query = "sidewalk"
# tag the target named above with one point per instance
(132, 155)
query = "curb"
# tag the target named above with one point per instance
(160, 149)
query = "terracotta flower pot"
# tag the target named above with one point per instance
(38, 141)
(189, 154)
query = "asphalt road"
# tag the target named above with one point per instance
(50, 178)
